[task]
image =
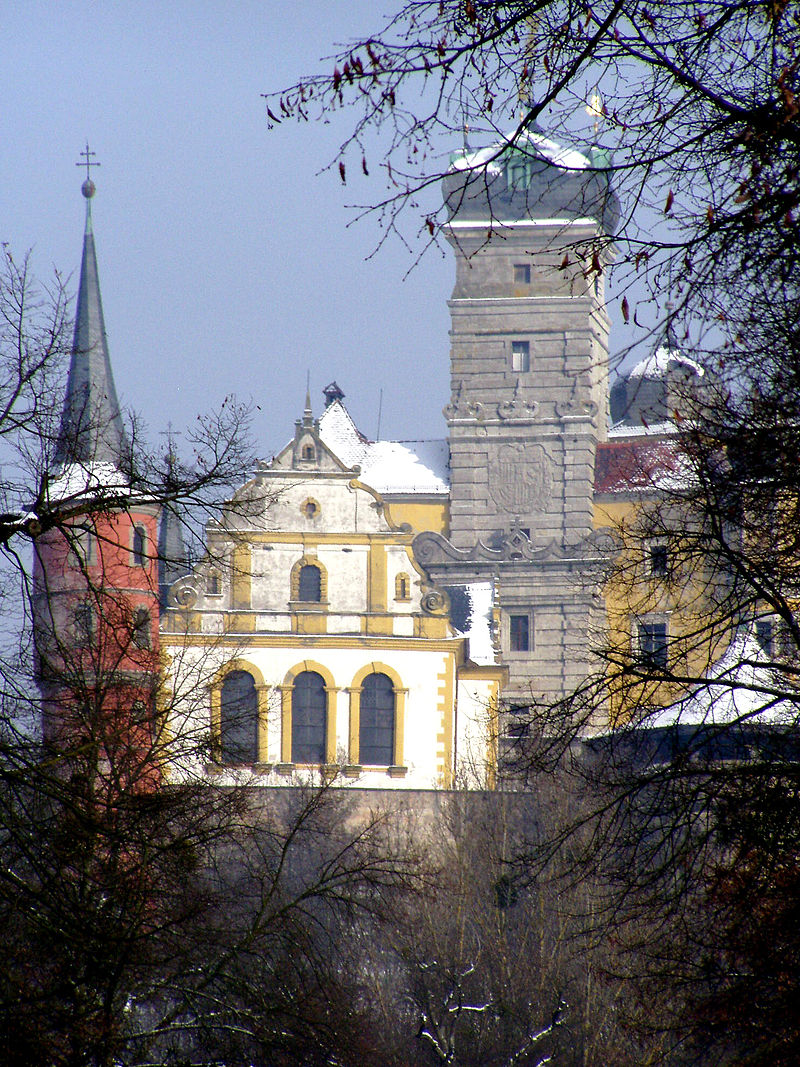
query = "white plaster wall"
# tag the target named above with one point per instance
(341, 508)
(347, 576)
(475, 727)
(421, 671)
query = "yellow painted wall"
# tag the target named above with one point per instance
(420, 517)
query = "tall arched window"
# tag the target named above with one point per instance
(239, 718)
(138, 546)
(377, 721)
(309, 706)
(309, 586)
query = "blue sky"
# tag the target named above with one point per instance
(226, 259)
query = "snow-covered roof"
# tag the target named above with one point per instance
(76, 481)
(528, 142)
(658, 363)
(741, 687)
(387, 466)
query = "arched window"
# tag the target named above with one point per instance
(377, 721)
(309, 707)
(213, 584)
(239, 718)
(140, 628)
(309, 584)
(402, 587)
(138, 546)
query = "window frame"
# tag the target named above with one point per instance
(300, 750)
(656, 657)
(142, 628)
(519, 614)
(658, 559)
(520, 356)
(374, 711)
(138, 545)
(250, 751)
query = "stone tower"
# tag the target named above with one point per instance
(528, 224)
(96, 568)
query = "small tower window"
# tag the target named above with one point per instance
(519, 632)
(402, 587)
(308, 452)
(520, 356)
(311, 509)
(522, 273)
(309, 588)
(83, 547)
(213, 584)
(139, 546)
(83, 622)
(140, 630)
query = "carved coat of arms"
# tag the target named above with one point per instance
(520, 477)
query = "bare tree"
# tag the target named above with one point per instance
(694, 118)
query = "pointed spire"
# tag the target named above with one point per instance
(91, 430)
(308, 415)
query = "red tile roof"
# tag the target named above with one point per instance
(634, 465)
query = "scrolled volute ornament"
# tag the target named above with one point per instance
(435, 602)
(184, 593)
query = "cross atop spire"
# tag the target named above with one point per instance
(88, 187)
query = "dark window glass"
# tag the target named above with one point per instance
(308, 718)
(239, 718)
(213, 584)
(84, 625)
(522, 273)
(764, 635)
(139, 542)
(141, 628)
(653, 643)
(376, 737)
(519, 633)
(309, 587)
(659, 561)
(520, 355)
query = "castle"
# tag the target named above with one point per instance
(377, 610)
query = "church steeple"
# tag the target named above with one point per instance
(91, 430)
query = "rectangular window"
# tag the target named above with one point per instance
(519, 633)
(520, 356)
(83, 622)
(764, 635)
(522, 273)
(659, 560)
(653, 643)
